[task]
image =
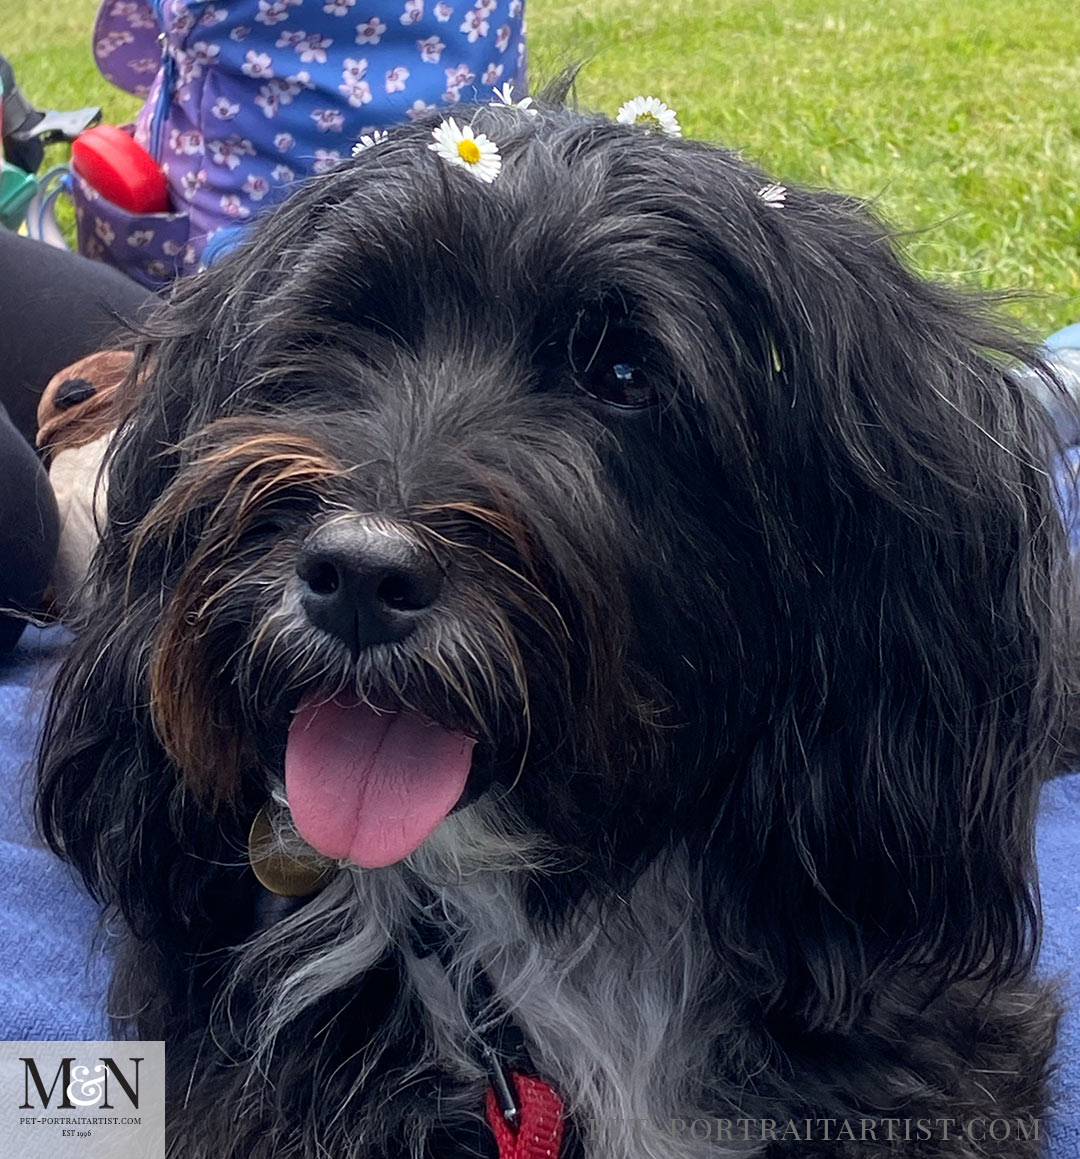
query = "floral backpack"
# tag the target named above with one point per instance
(246, 97)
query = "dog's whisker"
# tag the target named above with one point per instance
(532, 588)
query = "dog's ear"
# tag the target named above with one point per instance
(109, 803)
(108, 798)
(906, 678)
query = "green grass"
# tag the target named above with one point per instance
(960, 119)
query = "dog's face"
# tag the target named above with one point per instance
(483, 457)
(614, 494)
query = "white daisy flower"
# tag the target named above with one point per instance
(472, 151)
(369, 141)
(649, 113)
(504, 95)
(773, 194)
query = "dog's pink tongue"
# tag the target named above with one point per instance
(369, 786)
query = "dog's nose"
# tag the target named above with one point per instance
(366, 581)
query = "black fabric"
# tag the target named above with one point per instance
(55, 307)
(29, 531)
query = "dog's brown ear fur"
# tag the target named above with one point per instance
(82, 402)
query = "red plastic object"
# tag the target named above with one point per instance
(120, 170)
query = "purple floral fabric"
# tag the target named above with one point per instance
(245, 97)
(151, 248)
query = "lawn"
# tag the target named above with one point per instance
(959, 119)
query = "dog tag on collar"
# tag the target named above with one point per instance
(280, 871)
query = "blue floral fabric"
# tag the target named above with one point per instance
(244, 97)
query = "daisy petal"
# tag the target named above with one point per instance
(504, 98)
(773, 194)
(369, 141)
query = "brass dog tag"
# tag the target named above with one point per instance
(280, 872)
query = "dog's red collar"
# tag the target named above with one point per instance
(539, 1129)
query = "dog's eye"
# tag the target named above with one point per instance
(621, 384)
(613, 367)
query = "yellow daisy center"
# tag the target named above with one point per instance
(468, 151)
(649, 120)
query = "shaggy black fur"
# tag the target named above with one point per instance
(783, 605)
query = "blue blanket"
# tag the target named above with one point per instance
(54, 954)
(1059, 875)
(53, 959)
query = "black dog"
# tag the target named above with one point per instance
(646, 600)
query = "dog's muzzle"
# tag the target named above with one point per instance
(366, 580)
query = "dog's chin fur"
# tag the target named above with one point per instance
(764, 674)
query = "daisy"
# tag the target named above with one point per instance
(773, 194)
(650, 113)
(472, 151)
(369, 141)
(504, 95)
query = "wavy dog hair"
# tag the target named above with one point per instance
(755, 602)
